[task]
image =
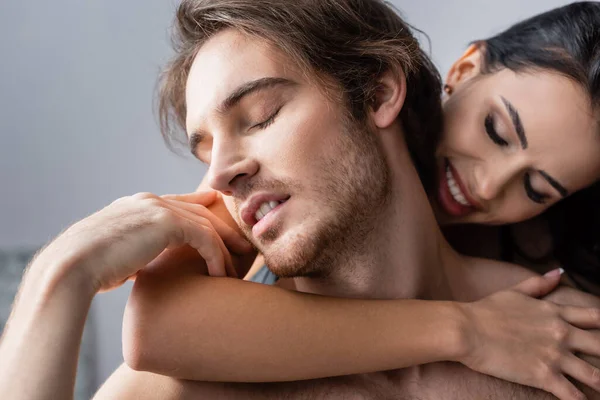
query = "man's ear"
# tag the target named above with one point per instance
(465, 68)
(389, 98)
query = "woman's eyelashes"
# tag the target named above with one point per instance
(490, 128)
(533, 194)
(268, 121)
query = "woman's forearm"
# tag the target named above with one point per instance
(40, 345)
(182, 324)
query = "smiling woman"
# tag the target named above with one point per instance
(514, 142)
(510, 159)
(522, 134)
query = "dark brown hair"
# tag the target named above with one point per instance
(349, 42)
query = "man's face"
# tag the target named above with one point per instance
(300, 180)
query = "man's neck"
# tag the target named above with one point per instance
(405, 256)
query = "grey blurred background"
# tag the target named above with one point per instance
(77, 128)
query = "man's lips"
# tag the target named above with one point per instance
(248, 211)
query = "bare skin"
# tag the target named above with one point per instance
(457, 282)
(100, 252)
(431, 381)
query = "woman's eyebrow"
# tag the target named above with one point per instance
(554, 183)
(516, 120)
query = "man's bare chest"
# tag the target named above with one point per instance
(355, 387)
(441, 381)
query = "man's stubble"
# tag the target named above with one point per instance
(355, 186)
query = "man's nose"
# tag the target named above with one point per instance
(229, 166)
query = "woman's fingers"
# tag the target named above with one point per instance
(585, 342)
(582, 371)
(538, 286)
(582, 317)
(562, 388)
(234, 241)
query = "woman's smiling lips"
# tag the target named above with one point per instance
(452, 193)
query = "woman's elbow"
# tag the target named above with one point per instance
(140, 330)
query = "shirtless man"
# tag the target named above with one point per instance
(351, 219)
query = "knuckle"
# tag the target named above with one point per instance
(144, 196)
(549, 308)
(559, 331)
(120, 200)
(545, 373)
(205, 222)
(554, 357)
(595, 377)
(576, 394)
(153, 203)
(209, 231)
(164, 216)
(595, 315)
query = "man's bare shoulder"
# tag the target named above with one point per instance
(490, 276)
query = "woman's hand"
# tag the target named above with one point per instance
(115, 243)
(532, 342)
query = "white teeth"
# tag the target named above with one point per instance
(455, 189)
(259, 215)
(264, 209)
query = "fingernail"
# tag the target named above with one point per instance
(554, 273)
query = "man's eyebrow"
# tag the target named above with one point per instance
(251, 87)
(516, 120)
(559, 188)
(235, 97)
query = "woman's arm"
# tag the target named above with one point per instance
(244, 331)
(181, 323)
(186, 325)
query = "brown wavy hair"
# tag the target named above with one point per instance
(349, 42)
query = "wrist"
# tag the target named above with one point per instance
(460, 332)
(50, 272)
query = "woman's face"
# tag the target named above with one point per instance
(513, 143)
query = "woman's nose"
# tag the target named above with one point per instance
(491, 180)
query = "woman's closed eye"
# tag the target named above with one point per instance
(533, 194)
(490, 128)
